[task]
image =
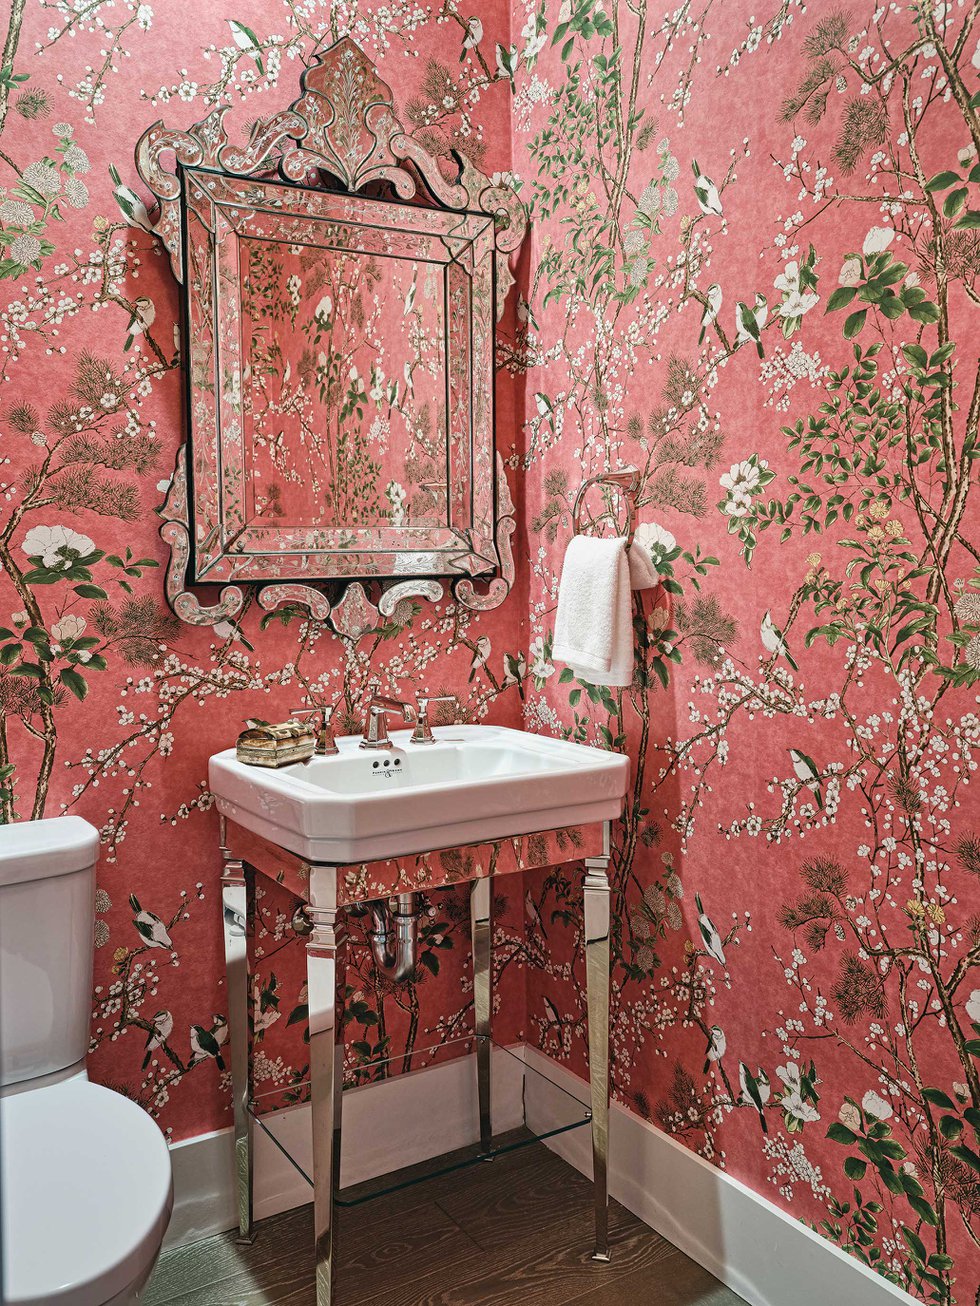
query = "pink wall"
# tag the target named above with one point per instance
(91, 421)
(795, 977)
(797, 992)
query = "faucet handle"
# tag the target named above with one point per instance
(422, 733)
(326, 745)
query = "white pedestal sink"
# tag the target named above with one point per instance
(475, 783)
(328, 829)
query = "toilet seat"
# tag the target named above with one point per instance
(86, 1194)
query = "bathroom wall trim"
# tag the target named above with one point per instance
(741, 1238)
(744, 1240)
(385, 1126)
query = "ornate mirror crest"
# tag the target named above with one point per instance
(278, 483)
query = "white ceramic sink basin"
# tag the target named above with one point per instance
(475, 783)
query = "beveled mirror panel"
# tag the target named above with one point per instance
(339, 342)
(341, 383)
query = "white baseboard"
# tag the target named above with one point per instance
(386, 1126)
(744, 1240)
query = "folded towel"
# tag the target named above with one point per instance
(594, 623)
(643, 574)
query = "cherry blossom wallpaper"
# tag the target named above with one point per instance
(110, 707)
(754, 276)
(752, 272)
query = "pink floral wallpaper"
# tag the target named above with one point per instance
(752, 273)
(754, 276)
(109, 707)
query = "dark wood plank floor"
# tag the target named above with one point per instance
(516, 1230)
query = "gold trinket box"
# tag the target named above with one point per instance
(275, 745)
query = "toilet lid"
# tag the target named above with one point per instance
(86, 1193)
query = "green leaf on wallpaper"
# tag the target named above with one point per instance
(8, 654)
(916, 355)
(841, 298)
(854, 1167)
(938, 1098)
(854, 323)
(5, 633)
(30, 669)
(90, 592)
(915, 1245)
(968, 1155)
(954, 201)
(74, 682)
(927, 312)
(942, 181)
(951, 1127)
(969, 221)
(923, 1210)
(841, 1134)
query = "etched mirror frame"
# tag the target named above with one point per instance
(335, 171)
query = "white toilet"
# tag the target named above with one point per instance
(85, 1183)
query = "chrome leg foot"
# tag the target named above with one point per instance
(236, 903)
(597, 986)
(324, 972)
(481, 907)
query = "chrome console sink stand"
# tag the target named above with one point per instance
(327, 892)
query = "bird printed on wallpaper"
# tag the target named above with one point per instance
(208, 1042)
(533, 914)
(140, 320)
(750, 321)
(773, 641)
(711, 309)
(150, 927)
(300, 922)
(705, 192)
(808, 773)
(409, 303)
(247, 42)
(130, 205)
(163, 1027)
(553, 1020)
(709, 933)
(755, 1089)
(717, 1046)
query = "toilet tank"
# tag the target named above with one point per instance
(47, 913)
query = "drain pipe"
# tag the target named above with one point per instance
(394, 938)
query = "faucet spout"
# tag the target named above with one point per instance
(395, 935)
(376, 719)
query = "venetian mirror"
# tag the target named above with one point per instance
(340, 296)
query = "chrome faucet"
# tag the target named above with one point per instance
(376, 719)
(326, 745)
(422, 734)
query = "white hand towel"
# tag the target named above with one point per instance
(643, 574)
(594, 623)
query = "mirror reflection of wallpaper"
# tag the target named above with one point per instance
(344, 387)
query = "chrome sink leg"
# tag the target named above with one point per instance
(325, 978)
(237, 896)
(597, 986)
(481, 923)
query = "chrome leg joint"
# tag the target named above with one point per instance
(597, 918)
